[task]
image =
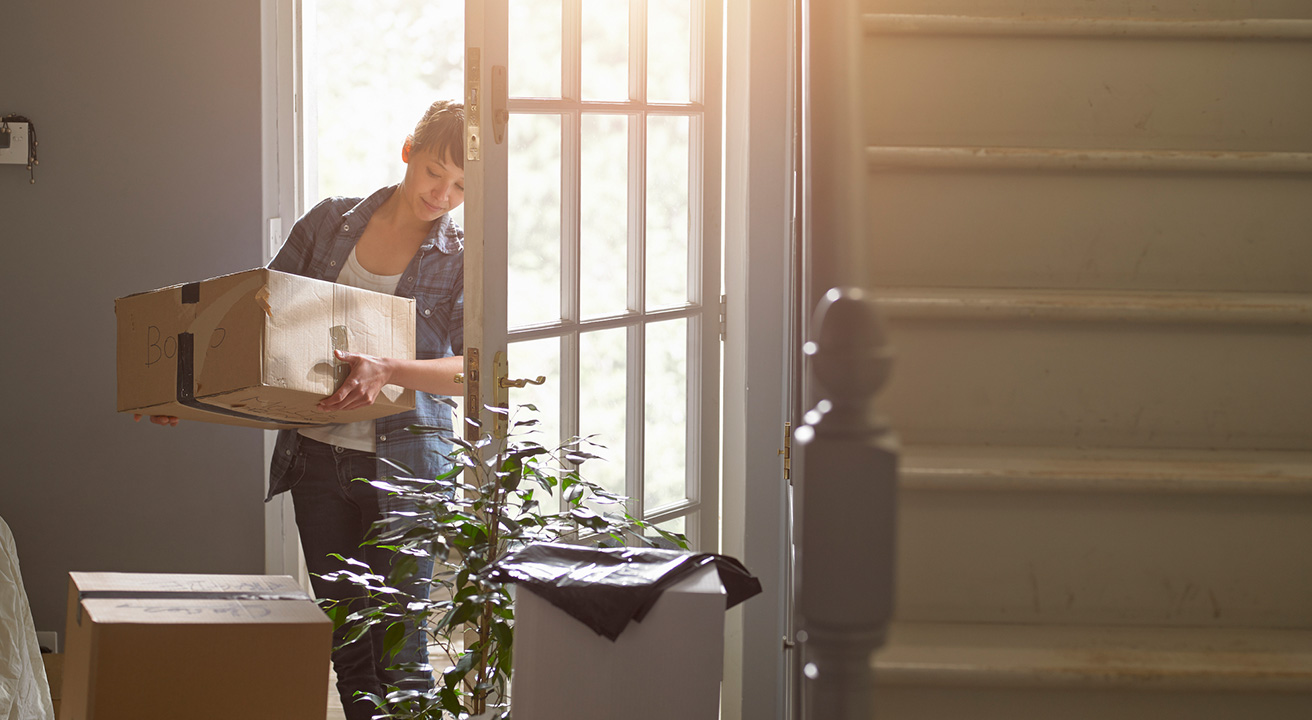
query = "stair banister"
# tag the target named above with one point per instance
(848, 510)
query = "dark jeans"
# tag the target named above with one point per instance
(334, 514)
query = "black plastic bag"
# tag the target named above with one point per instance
(604, 588)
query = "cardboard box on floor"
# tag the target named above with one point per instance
(54, 663)
(255, 348)
(146, 645)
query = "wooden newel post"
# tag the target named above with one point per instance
(848, 510)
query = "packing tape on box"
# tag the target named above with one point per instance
(186, 383)
(189, 367)
(244, 595)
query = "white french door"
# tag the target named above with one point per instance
(593, 236)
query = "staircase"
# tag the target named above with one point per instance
(1090, 233)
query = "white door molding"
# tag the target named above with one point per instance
(757, 373)
(282, 193)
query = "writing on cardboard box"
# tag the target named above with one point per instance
(161, 347)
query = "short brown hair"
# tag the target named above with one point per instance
(442, 130)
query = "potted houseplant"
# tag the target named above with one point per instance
(500, 494)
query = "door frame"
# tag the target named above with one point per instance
(758, 131)
(760, 335)
(282, 192)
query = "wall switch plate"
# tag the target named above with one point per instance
(48, 640)
(16, 153)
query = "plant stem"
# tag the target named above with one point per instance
(485, 624)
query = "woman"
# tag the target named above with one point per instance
(400, 240)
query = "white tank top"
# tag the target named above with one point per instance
(356, 435)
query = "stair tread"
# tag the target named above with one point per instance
(1058, 25)
(992, 654)
(1143, 469)
(1160, 306)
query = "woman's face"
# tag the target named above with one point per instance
(433, 186)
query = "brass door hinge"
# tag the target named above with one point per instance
(724, 316)
(472, 402)
(500, 103)
(473, 104)
(787, 452)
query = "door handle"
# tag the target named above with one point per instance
(521, 382)
(500, 391)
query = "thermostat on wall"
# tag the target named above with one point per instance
(16, 153)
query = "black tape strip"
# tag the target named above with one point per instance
(186, 393)
(191, 293)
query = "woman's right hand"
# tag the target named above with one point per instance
(158, 419)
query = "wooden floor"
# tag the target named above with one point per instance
(334, 702)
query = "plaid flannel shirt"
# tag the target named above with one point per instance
(317, 247)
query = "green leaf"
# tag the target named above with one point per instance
(355, 633)
(504, 638)
(405, 470)
(454, 674)
(404, 567)
(463, 613)
(573, 494)
(337, 613)
(450, 701)
(394, 640)
(677, 538)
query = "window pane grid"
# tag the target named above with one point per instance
(573, 328)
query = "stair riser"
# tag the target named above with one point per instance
(1105, 558)
(1101, 230)
(1092, 92)
(1093, 384)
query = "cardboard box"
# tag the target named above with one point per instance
(143, 646)
(255, 348)
(54, 663)
(667, 666)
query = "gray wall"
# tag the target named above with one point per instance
(148, 115)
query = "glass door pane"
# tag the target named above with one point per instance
(535, 48)
(604, 215)
(669, 43)
(603, 392)
(665, 446)
(605, 50)
(613, 282)
(533, 221)
(668, 214)
(532, 358)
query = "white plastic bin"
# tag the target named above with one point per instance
(667, 666)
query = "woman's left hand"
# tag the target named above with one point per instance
(368, 376)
